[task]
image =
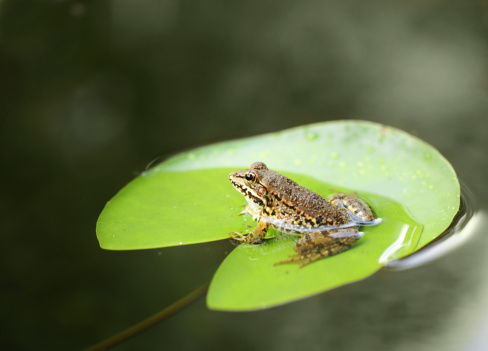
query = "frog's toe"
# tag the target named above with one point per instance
(293, 258)
(237, 236)
(310, 260)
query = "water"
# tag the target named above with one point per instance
(92, 91)
(467, 222)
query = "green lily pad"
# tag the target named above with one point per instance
(161, 208)
(188, 199)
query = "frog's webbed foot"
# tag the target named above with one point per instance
(315, 246)
(254, 237)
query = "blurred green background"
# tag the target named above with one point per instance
(92, 91)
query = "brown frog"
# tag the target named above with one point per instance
(328, 226)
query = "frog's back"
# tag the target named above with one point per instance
(307, 207)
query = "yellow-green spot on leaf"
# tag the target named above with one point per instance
(311, 136)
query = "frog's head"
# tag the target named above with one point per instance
(249, 183)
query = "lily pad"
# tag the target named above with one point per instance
(188, 199)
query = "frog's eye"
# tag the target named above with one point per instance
(250, 176)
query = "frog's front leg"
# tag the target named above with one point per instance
(256, 236)
(317, 245)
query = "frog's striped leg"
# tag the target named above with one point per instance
(254, 237)
(357, 208)
(317, 245)
(305, 259)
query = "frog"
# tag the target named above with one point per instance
(326, 226)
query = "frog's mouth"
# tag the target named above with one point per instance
(244, 190)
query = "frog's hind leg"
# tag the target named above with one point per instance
(358, 209)
(317, 245)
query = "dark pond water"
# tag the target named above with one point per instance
(92, 91)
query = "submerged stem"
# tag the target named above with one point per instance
(151, 321)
